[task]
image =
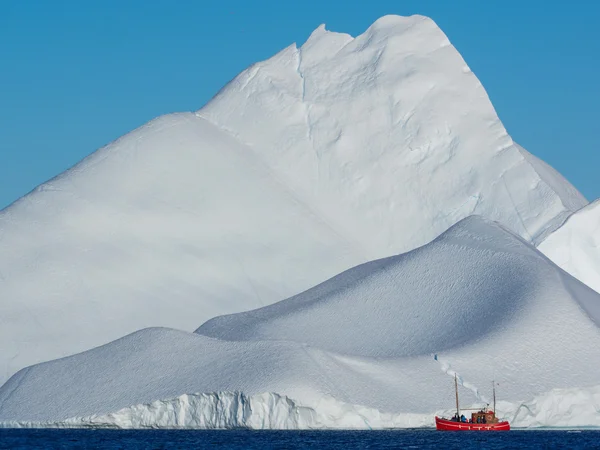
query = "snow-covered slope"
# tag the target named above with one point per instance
(321, 158)
(356, 350)
(576, 245)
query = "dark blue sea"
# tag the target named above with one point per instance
(244, 439)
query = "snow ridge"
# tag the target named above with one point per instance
(575, 246)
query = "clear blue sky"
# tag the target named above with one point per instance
(75, 75)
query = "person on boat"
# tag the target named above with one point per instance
(463, 418)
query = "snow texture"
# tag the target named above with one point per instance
(575, 246)
(358, 346)
(321, 158)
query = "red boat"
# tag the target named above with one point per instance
(481, 420)
(449, 425)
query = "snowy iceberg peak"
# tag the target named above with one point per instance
(340, 117)
(387, 35)
(322, 35)
(372, 52)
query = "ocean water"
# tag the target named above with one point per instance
(246, 439)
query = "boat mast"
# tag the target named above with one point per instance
(494, 390)
(456, 391)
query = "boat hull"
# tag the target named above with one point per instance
(449, 425)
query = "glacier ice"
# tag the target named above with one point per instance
(486, 302)
(565, 408)
(575, 246)
(344, 150)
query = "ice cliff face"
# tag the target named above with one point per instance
(341, 151)
(269, 411)
(487, 303)
(225, 410)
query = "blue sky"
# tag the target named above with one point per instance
(75, 75)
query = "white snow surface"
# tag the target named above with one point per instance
(345, 354)
(326, 156)
(576, 245)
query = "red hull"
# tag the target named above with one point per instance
(448, 425)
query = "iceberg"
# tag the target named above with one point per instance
(376, 346)
(324, 157)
